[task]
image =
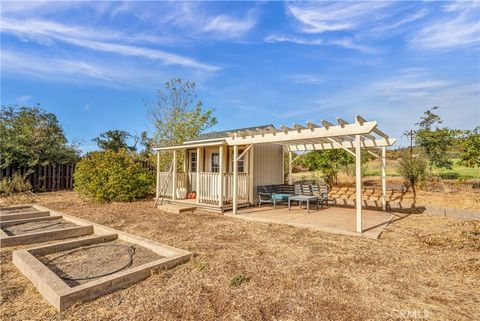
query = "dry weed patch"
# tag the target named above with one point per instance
(419, 264)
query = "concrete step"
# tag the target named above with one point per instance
(176, 208)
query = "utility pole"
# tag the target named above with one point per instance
(409, 133)
(411, 144)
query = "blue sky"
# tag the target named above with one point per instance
(94, 64)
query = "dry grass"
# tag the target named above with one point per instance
(421, 267)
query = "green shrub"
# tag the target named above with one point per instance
(237, 280)
(451, 175)
(414, 171)
(112, 176)
(14, 184)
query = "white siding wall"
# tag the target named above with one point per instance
(267, 166)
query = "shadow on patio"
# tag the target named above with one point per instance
(329, 219)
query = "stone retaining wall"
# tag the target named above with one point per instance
(403, 207)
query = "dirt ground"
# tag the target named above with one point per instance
(422, 267)
(82, 264)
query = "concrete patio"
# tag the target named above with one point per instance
(336, 220)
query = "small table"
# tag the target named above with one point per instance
(279, 197)
(303, 198)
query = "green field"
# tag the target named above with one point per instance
(373, 169)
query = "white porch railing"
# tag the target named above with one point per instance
(167, 190)
(192, 182)
(242, 194)
(209, 189)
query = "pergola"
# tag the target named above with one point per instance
(299, 139)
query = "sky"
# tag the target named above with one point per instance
(96, 64)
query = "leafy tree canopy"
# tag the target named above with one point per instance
(435, 141)
(470, 155)
(115, 140)
(178, 115)
(329, 162)
(30, 136)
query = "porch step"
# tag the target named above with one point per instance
(176, 208)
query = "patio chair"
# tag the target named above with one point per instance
(274, 194)
(321, 192)
(264, 194)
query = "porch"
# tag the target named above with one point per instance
(335, 220)
(208, 187)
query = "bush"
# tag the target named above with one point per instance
(451, 175)
(237, 280)
(414, 171)
(14, 184)
(112, 176)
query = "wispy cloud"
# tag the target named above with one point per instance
(225, 26)
(416, 85)
(318, 17)
(344, 42)
(306, 79)
(22, 99)
(459, 28)
(87, 107)
(79, 71)
(56, 68)
(45, 32)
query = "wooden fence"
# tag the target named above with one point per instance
(44, 178)
(48, 178)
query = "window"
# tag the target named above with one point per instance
(193, 162)
(215, 165)
(240, 163)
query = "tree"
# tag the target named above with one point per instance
(329, 162)
(436, 142)
(30, 136)
(470, 149)
(115, 140)
(178, 115)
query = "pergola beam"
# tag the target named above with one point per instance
(341, 146)
(287, 134)
(321, 146)
(312, 125)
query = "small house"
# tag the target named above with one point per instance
(222, 169)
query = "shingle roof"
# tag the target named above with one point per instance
(223, 134)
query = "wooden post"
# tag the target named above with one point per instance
(158, 175)
(290, 168)
(197, 188)
(384, 179)
(235, 178)
(358, 183)
(174, 174)
(220, 176)
(185, 168)
(251, 173)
